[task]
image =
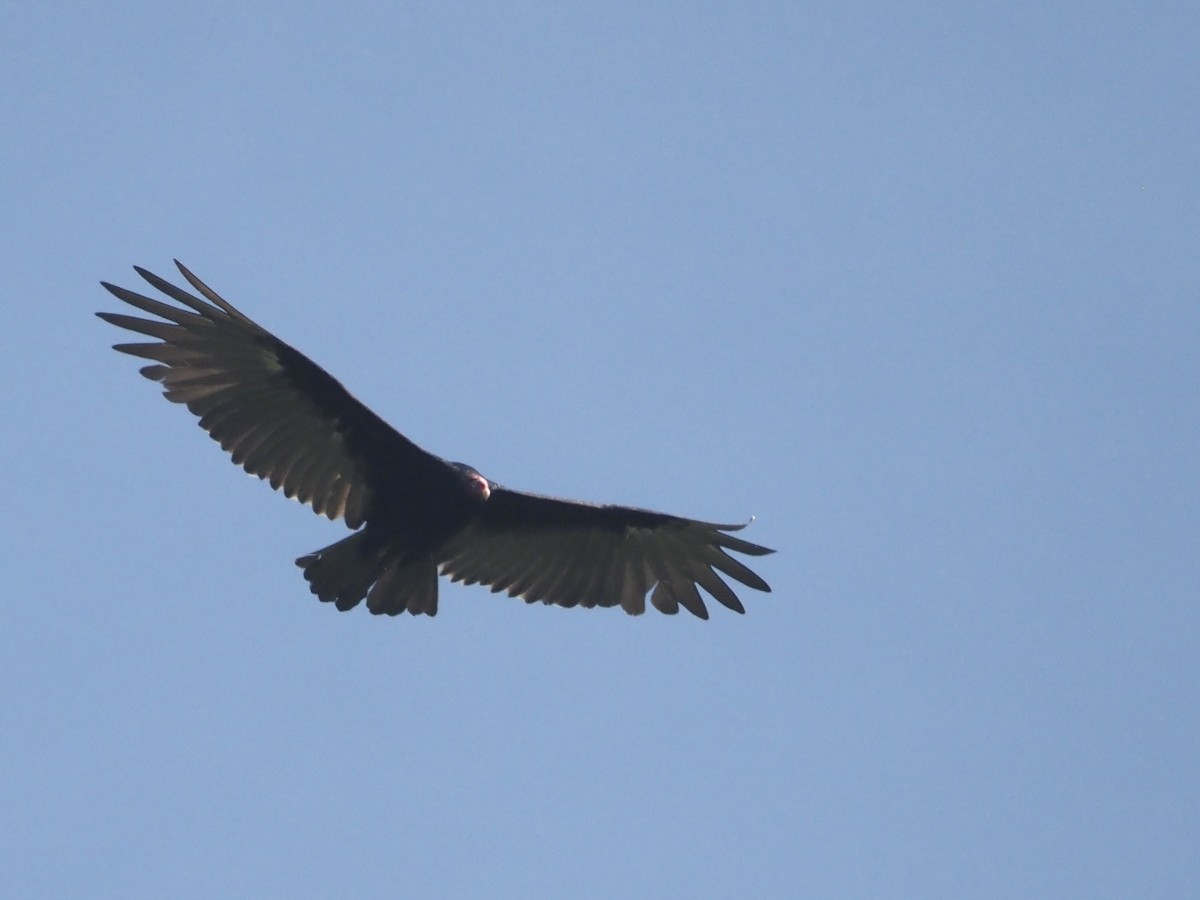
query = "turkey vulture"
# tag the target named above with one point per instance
(285, 419)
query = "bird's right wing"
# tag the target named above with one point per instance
(276, 412)
(570, 553)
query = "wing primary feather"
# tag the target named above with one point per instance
(164, 331)
(738, 545)
(689, 598)
(157, 307)
(721, 592)
(165, 353)
(177, 294)
(734, 569)
(216, 298)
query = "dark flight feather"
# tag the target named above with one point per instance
(283, 418)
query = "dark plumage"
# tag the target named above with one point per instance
(285, 419)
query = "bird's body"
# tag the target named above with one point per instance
(286, 420)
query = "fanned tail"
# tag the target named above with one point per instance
(348, 571)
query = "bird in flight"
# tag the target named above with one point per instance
(286, 420)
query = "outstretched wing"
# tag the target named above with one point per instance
(568, 553)
(276, 412)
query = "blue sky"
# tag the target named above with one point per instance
(915, 287)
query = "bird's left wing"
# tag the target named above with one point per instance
(569, 553)
(280, 415)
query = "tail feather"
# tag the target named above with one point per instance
(348, 571)
(341, 573)
(406, 583)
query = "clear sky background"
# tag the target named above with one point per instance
(914, 285)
